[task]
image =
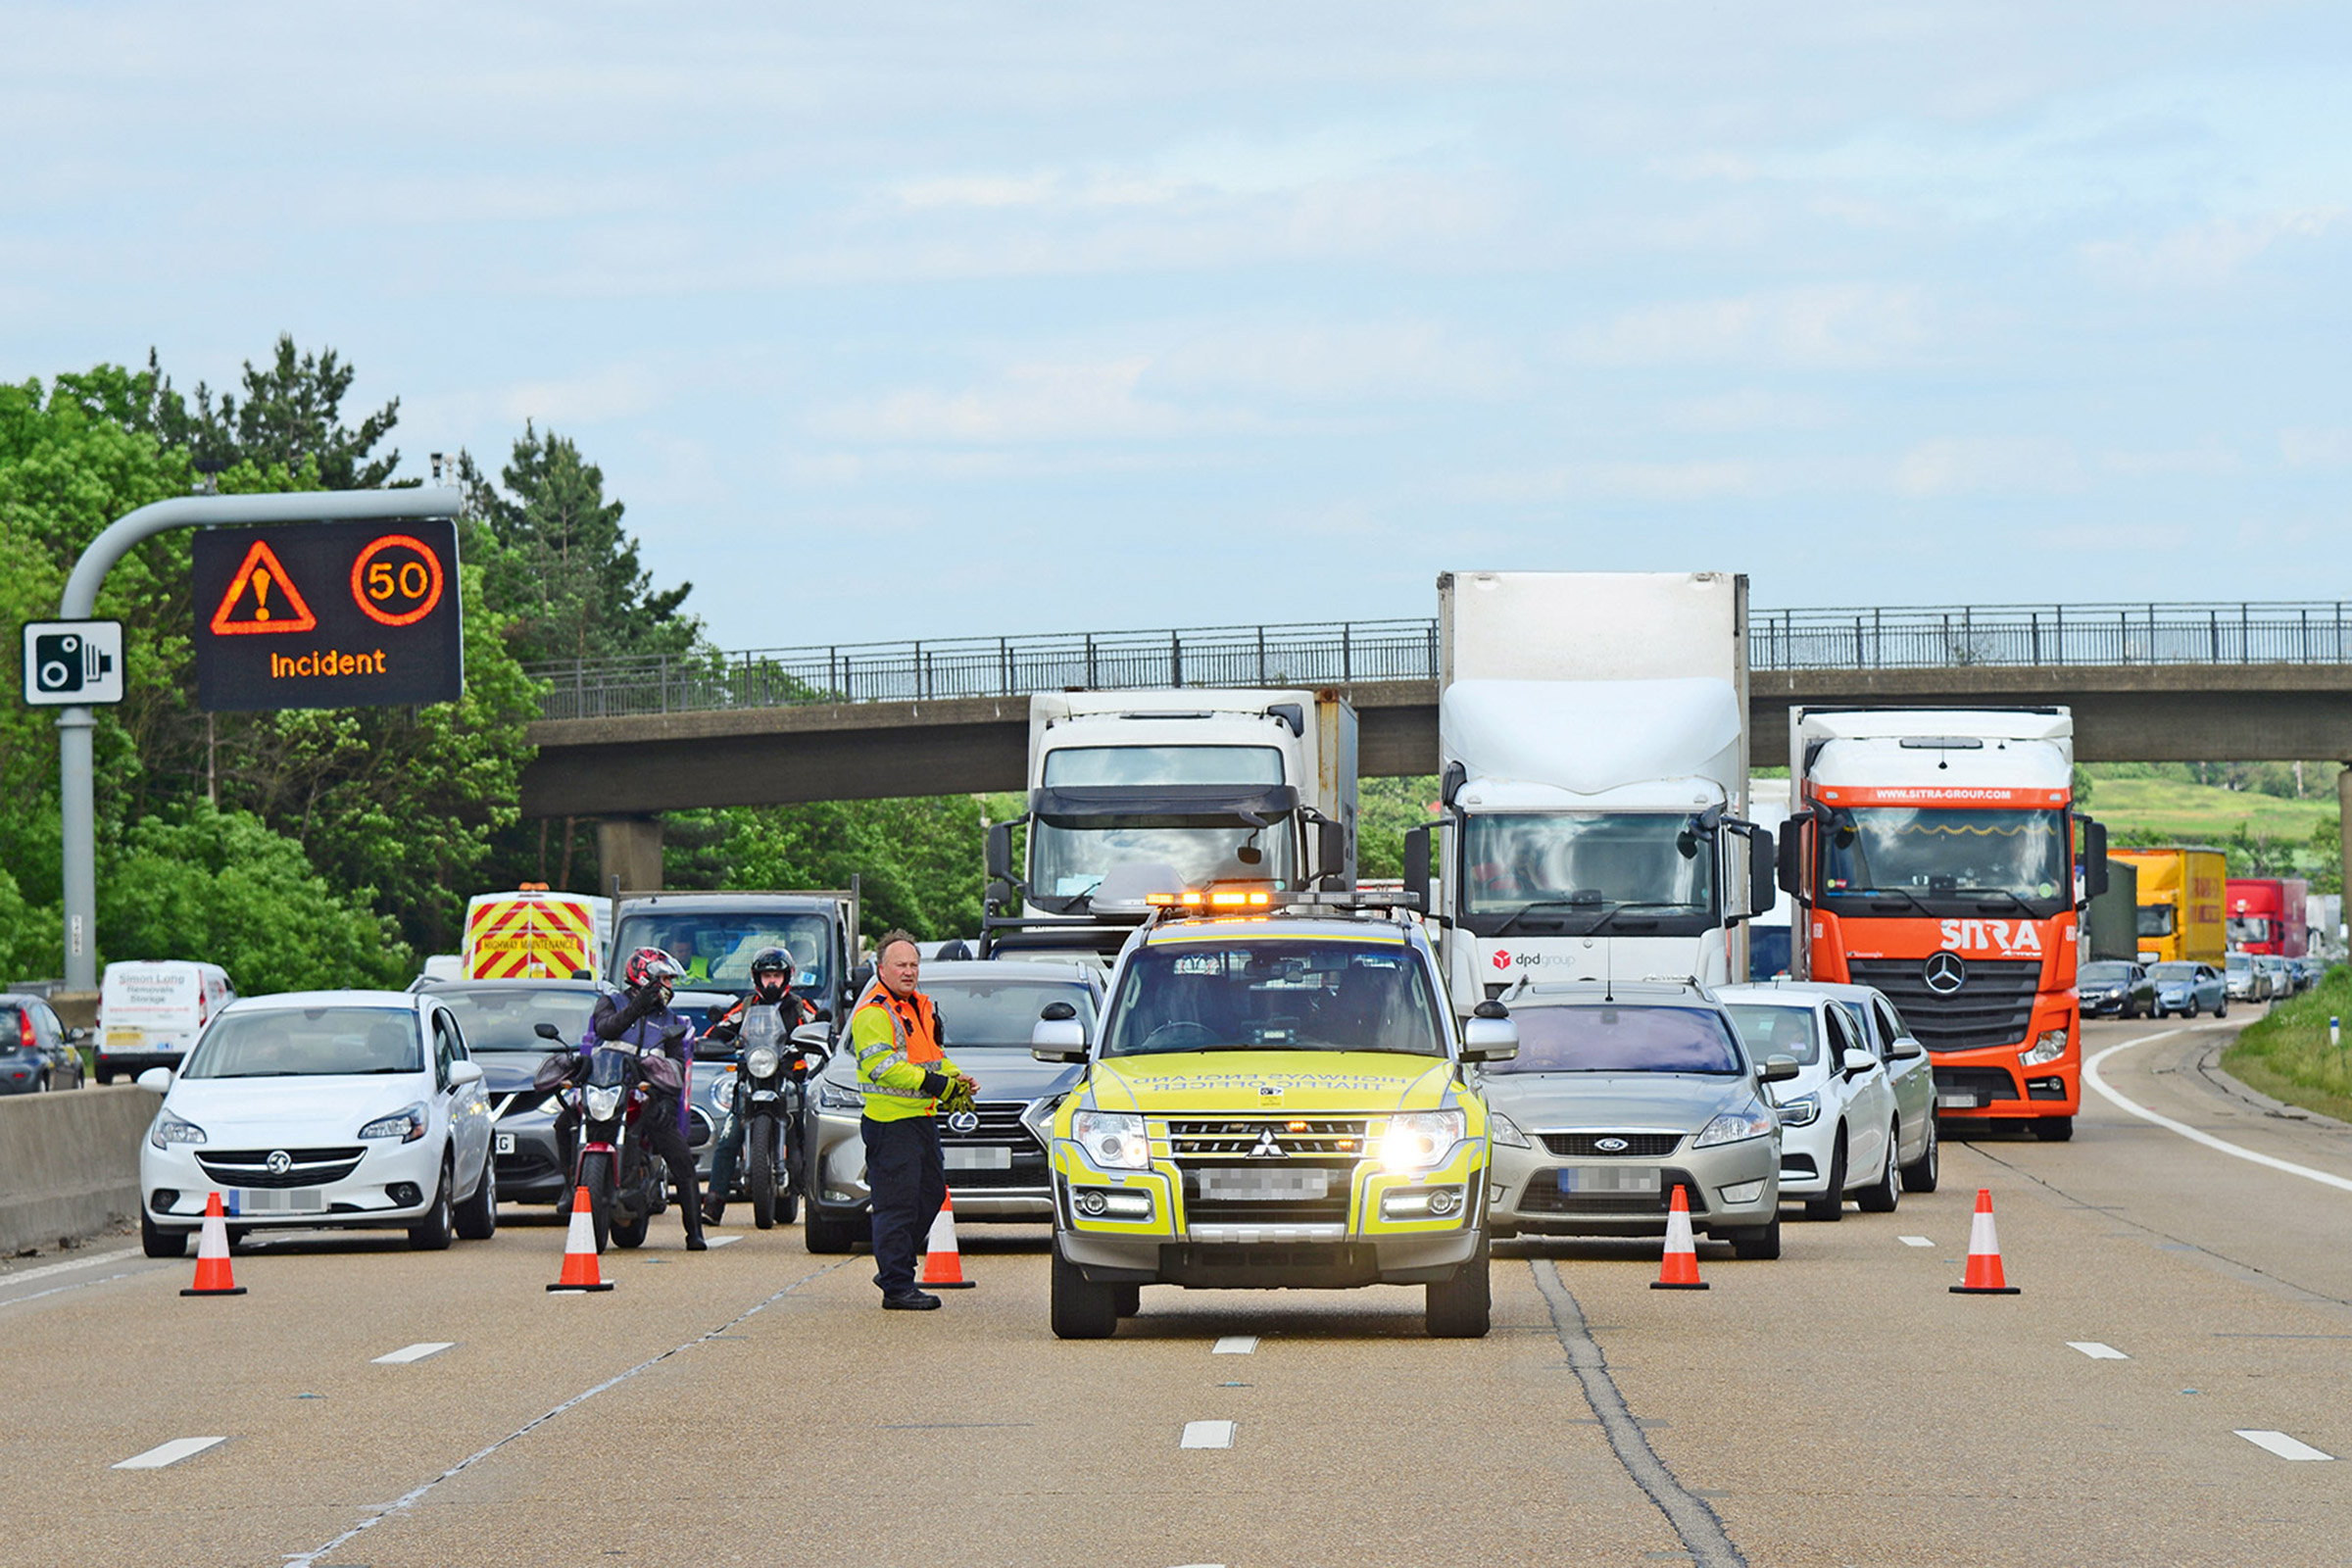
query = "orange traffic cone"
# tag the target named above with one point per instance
(1983, 1273)
(579, 1250)
(211, 1255)
(943, 1266)
(1679, 1269)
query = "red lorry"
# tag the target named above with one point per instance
(2265, 915)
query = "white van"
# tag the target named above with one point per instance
(150, 1011)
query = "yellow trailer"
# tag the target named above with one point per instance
(2182, 902)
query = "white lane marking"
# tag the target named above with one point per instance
(724, 1241)
(414, 1352)
(164, 1453)
(1915, 1241)
(1235, 1345)
(2090, 1076)
(1208, 1435)
(2096, 1350)
(2284, 1446)
(47, 1269)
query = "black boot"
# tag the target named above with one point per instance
(690, 1205)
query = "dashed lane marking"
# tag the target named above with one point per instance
(47, 1269)
(2092, 1076)
(414, 1352)
(1235, 1345)
(1915, 1241)
(2284, 1446)
(164, 1453)
(717, 1242)
(1206, 1434)
(2096, 1350)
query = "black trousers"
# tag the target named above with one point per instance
(909, 1179)
(657, 1125)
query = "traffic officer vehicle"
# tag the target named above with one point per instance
(1275, 1099)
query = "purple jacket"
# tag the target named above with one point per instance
(616, 1018)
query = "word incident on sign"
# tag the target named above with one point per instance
(329, 614)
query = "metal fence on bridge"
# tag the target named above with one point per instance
(1341, 653)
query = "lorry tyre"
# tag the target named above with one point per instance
(1758, 1242)
(1922, 1175)
(156, 1241)
(826, 1234)
(1463, 1307)
(1886, 1195)
(1129, 1299)
(1081, 1309)
(2054, 1129)
(1830, 1206)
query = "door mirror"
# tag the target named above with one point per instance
(1790, 855)
(547, 1031)
(1906, 1048)
(2094, 858)
(1762, 890)
(1777, 1071)
(462, 1073)
(1331, 854)
(1857, 1062)
(156, 1080)
(1416, 866)
(1486, 1039)
(1058, 1011)
(1058, 1039)
(1000, 850)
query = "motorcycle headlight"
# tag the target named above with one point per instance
(2048, 1046)
(603, 1103)
(1802, 1111)
(170, 1129)
(406, 1124)
(1115, 1140)
(1736, 1126)
(1503, 1129)
(760, 1063)
(834, 1097)
(1417, 1140)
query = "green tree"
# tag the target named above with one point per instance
(920, 858)
(291, 417)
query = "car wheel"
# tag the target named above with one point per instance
(1883, 1195)
(1081, 1309)
(2221, 1009)
(1921, 1176)
(105, 1076)
(1830, 1206)
(431, 1234)
(1463, 1307)
(2054, 1129)
(477, 1217)
(2190, 1011)
(826, 1234)
(1759, 1243)
(40, 1085)
(1129, 1298)
(156, 1241)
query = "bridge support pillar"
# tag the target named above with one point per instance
(629, 852)
(2343, 813)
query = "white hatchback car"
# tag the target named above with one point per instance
(344, 1108)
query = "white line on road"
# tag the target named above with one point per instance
(724, 1241)
(1235, 1345)
(1208, 1435)
(164, 1453)
(2097, 1351)
(1915, 1241)
(47, 1269)
(414, 1352)
(2284, 1446)
(2090, 1076)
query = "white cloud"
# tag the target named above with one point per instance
(1755, 408)
(1091, 401)
(1954, 465)
(1345, 361)
(2312, 447)
(2204, 253)
(1850, 325)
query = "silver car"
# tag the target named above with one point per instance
(1619, 1095)
(2187, 988)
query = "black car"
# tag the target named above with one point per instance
(34, 1054)
(500, 1020)
(2115, 988)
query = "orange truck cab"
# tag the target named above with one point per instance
(1931, 854)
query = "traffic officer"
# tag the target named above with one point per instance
(903, 1074)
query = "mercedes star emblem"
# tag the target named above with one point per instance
(1611, 1145)
(1944, 973)
(964, 1121)
(279, 1162)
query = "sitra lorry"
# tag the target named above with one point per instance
(1137, 794)
(1592, 749)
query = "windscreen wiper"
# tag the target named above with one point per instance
(1996, 893)
(1907, 897)
(1520, 913)
(1609, 917)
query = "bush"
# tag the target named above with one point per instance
(2287, 1054)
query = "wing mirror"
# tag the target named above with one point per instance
(1778, 1070)
(1058, 1011)
(1058, 1039)
(1857, 1062)
(462, 1073)
(547, 1031)
(156, 1080)
(1907, 1049)
(1416, 866)
(1490, 1035)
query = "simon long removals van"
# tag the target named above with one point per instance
(151, 1010)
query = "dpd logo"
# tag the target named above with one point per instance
(1502, 958)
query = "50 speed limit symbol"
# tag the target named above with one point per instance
(395, 580)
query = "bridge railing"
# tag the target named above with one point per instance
(1329, 653)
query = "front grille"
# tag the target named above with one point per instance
(1000, 1123)
(1543, 1196)
(249, 1168)
(1986, 1082)
(1994, 1007)
(1582, 1145)
(1000, 1127)
(1330, 1209)
(1296, 1137)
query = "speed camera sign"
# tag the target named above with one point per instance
(72, 664)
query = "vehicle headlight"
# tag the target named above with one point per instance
(1113, 1138)
(406, 1124)
(1736, 1126)
(552, 1105)
(1503, 1129)
(1038, 1117)
(170, 1129)
(762, 1062)
(603, 1103)
(723, 1094)
(1802, 1111)
(2049, 1046)
(835, 1096)
(1418, 1138)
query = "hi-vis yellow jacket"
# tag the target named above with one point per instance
(901, 1066)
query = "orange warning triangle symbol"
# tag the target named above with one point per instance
(262, 598)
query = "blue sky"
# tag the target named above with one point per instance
(942, 319)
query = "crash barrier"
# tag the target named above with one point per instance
(70, 1163)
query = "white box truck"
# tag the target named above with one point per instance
(1592, 741)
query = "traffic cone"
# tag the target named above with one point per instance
(1679, 1269)
(943, 1266)
(211, 1255)
(579, 1250)
(1983, 1273)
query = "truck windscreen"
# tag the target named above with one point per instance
(1272, 995)
(717, 947)
(1638, 874)
(1931, 853)
(2155, 919)
(1067, 863)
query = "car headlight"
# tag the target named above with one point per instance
(552, 1105)
(1416, 1140)
(406, 1124)
(1113, 1138)
(2048, 1046)
(762, 1062)
(1736, 1126)
(1802, 1111)
(723, 1094)
(835, 1096)
(1503, 1129)
(170, 1129)
(603, 1103)
(1038, 1117)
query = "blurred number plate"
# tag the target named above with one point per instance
(1959, 1100)
(1608, 1179)
(283, 1200)
(124, 1039)
(1264, 1185)
(505, 1143)
(987, 1156)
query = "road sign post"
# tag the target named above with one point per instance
(78, 810)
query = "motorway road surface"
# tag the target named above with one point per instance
(1836, 1407)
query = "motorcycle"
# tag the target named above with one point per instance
(626, 1184)
(770, 1081)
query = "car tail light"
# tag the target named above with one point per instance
(25, 1028)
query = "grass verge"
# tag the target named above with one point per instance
(2287, 1054)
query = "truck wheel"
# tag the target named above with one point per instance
(1462, 1308)
(156, 1241)
(1083, 1309)
(824, 1234)
(1129, 1299)
(1830, 1206)
(2054, 1129)
(1758, 1242)
(1922, 1176)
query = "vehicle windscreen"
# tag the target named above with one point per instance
(15, 1031)
(1068, 863)
(2105, 974)
(2249, 928)
(309, 1043)
(2171, 971)
(1274, 995)
(2155, 919)
(1573, 872)
(1002, 1012)
(718, 949)
(1775, 1030)
(2239, 961)
(1614, 1039)
(504, 1019)
(1933, 853)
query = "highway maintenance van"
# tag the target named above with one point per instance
(1274, 1100)
(534, 934)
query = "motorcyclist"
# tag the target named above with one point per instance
(640, 1016)
(771, 986)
